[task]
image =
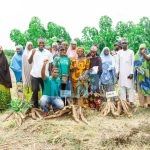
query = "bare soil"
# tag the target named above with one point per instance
(63, 133)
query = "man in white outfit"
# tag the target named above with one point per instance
(124, 68)
(36, 58)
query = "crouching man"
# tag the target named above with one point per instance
(51, 91)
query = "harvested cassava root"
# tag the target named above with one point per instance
(124, 107)
(109, 108)
(20, 117)
(76, 111)
(35, 113)
(116, 108)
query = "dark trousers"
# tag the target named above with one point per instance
(36, 83)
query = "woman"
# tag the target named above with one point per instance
(95, 61)
(5, 81)
(142, 75)
(108, 78)
(71, 52)
(77, 67)
(62, 62)
(65, 45)
(16, 63)
(26, 69)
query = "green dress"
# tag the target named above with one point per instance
(142, 74)
(63, 65)
(5, 97)
(5, 82)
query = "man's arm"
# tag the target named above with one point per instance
(43, 69)
(30, 60)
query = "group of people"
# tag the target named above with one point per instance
(60, 68)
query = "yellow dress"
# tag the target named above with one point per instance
(77, 67)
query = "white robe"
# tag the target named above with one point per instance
(26, 69)
(125, 66)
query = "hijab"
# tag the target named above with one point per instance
(16, 63)
(26, 51)
(5, 78)
(107, 58)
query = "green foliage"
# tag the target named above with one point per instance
(36, 30)
(55, 32)
(9, 54)
(19, 105)
(17, 37)
(105, 35)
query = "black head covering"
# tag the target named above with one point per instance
(5, 78)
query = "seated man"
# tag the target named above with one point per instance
(51, 91)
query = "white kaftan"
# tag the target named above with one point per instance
(125, 66)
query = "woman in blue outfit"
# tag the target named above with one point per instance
(16, 63)
(108, 77)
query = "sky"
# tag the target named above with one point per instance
(74, 15)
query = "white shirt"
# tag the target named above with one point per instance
(125, 66)
(37, 63)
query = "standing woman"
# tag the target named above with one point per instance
(72, 50)
(142, 75)
(77, 67)
(65, 45)
(108, 78)
(16, 63)
(62, 62)
(5, 81)
(26, 69)
(95, 61)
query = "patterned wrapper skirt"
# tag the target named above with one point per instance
(5, 97)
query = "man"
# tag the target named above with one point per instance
(117, 47)
(51, 90)
(124, 68)
(36, 57)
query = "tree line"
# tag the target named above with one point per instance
(105, 35)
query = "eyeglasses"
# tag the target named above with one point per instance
(124, 43)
